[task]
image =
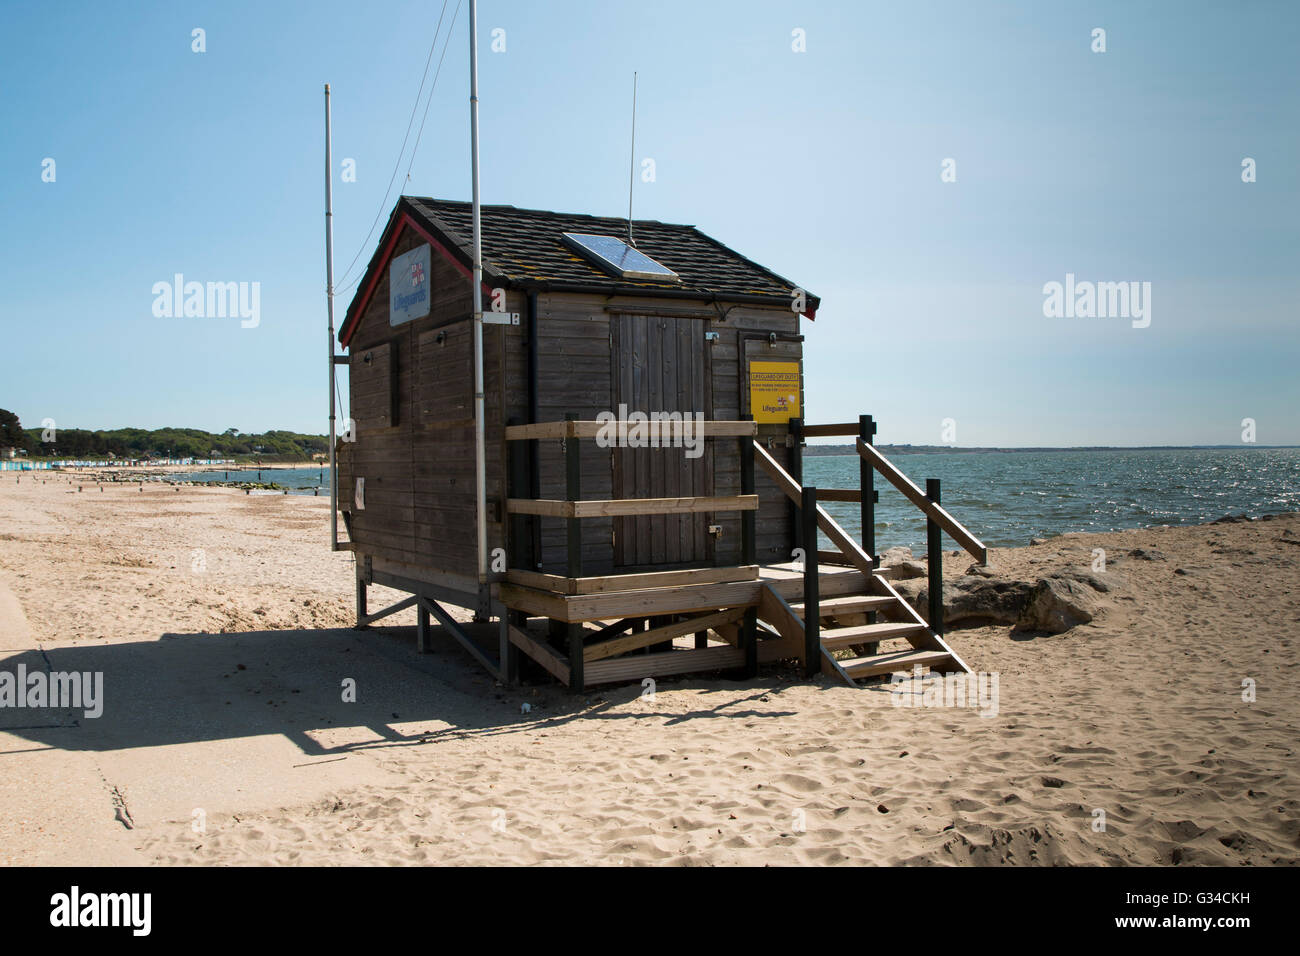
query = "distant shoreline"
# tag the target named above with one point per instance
(89, 470)
(827, 450)
(178, 467)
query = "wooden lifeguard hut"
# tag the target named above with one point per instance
(642, 497)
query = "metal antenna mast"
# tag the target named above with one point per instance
(631, 166)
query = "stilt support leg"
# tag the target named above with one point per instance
(508, 653)
(361, 601)
(749, 643)
(576, 678)
(422, 642)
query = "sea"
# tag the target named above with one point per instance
(297, 481)
(1005, 498)
(1008, 497)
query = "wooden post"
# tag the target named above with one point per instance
(812, 647)
(573, 492)
(796, 472)
(870, 498)
(867, 482)
(748, 543)
(576, 678)
(361, 596)
(509, 654)
(519, 486)
(748, 554)
(749, 643)
(934, 552)
(422, 644)
(660, 621)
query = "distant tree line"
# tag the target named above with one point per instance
(161, 442)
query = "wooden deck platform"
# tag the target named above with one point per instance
(838, 615)
(570, 600)
(621, 632)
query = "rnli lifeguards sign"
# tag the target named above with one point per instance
(774, 391)
(408, 286)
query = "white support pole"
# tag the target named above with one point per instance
(329, 293)
(480, 451)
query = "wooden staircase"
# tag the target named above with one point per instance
(874, 648)
(859, 635)
(839, 614)
(862, 635)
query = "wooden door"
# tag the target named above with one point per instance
(661, 364)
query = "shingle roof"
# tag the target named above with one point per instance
(523, 245)
(524, 248)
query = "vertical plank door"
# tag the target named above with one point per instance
(660, 364)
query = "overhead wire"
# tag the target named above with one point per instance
(406, 138)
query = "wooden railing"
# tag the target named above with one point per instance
(874, 461)
(660, 431)
(807, 500)
(854, 553)
(524, 508)
(663, 433)
(926, 502)
(865, 494)
(618, 507)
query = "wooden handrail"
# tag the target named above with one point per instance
(839, 537)
(955, 529)
(630, 581)
(557, 508)
(837, 430)
(852, 550)
(650, 431)
(839, 494)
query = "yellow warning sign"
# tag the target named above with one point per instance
(774, 391)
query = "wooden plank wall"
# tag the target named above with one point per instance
(416, 451)
(573, 362)
(740, 339)
(774, 532)
(415, 428)
(577, 374)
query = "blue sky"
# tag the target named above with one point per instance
(823, 165)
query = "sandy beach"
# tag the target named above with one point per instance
(221, 624)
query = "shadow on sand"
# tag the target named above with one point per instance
(187, 688)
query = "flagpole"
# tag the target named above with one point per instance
(329, 292)
(480, 451)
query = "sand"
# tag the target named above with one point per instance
(220, 623)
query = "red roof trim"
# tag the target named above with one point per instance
(361, 304)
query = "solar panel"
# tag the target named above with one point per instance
(618, 257)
